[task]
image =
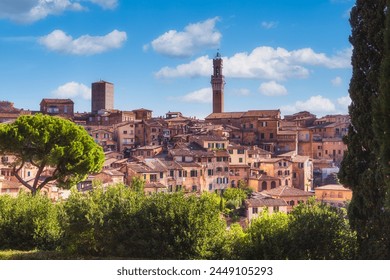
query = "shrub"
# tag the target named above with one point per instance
(28, 222)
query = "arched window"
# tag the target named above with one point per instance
(273, 184)
(264, 186)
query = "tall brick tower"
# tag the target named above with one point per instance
(218, 83)
(102, 96)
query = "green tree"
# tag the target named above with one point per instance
(98, 223)
(179, 226)
(318, 231)
(50, 142)
(267, 237)
(28, 222)
(360, 169)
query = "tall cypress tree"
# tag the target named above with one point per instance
(382, 111)
(361, 168)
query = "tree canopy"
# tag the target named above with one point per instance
(362, 167)
(58, 148)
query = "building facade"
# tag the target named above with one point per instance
(102, 96)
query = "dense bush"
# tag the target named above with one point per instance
(311, 231)
(122, 222)
(96, 223)
(319, 231)
(28, 222)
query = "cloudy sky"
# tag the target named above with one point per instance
(288, 55)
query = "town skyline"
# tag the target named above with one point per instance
(159, 55)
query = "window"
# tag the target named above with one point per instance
(185, 173)
(262, 136)
(255, 210)
(240, 160)
(226, 169)
(210, 172)
(219, 169)
(153, 178)
(271, 136)
(161, 175)
(194, 173)
(264, 186)
(171, 173)
(276, 209)
(124, 131)
(240, 151)
(194, 188)
(273, 184)
(180, 173)
(210, 187)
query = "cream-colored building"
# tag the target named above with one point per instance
(334, 195)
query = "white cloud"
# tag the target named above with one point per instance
(315, 104)
(269, 24)
(194, 38)
(344, 101)
(107, 4)
(342, 59)
(73, 90)
(262, 63)
(27, 11)
(202, 66)
(272, 88)
(59, 41)
(203, 95)
(337, 81)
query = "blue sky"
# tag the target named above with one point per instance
(288, 55)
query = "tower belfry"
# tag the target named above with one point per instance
(218, 83)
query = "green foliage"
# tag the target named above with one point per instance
(137, 185)
(44, 141)
(122, 223)
(233, 244)
(362, 166)
(125, 223)
(235, 195)
(310, 231)
(28, 222)
(318, 231)
(268, 237)
(96, 223)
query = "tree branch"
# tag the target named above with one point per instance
(20, 179)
